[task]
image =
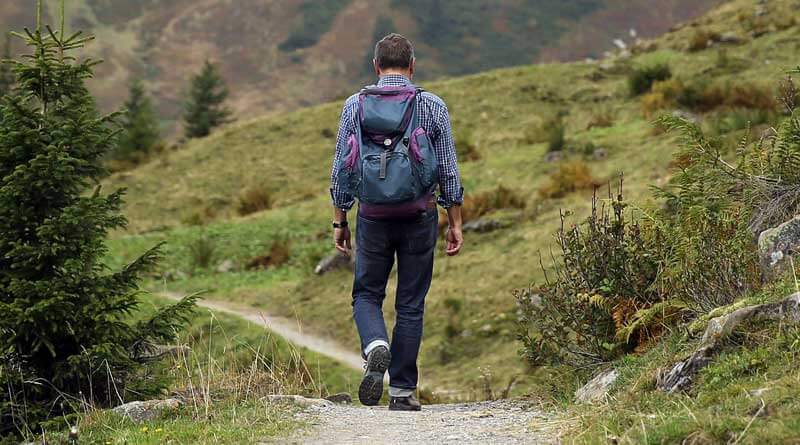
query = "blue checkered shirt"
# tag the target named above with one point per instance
(433, 117)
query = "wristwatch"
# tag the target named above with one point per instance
(340, 225)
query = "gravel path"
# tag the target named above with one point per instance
(291, 330)
(499, 422)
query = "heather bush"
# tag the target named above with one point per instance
(641, 79)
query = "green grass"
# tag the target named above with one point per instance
(756, 367)
(228, 423)
(289, 155)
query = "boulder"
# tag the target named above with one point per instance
(554, 156)
(597, 388)
(303, 402)
(681, 375)
(482, 225)
(729, 38)
(139, 412)
(687, 116)
(341, 398)
(226, 266)
(777, 245)
(335, 261)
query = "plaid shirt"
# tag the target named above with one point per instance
(433, 117)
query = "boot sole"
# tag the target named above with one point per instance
(371, 389)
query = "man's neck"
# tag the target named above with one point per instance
(405, 74)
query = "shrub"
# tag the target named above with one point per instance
(254, 199)
(711, 258)
(707, 97)
(664, 94)
(602, 116)
(202, 252)
(552, 131)
(279, 254)
(477, 205)
(641, 79)
(702, 39)
(556, 138)
(738, 119)
(604, 275)
(570, 177)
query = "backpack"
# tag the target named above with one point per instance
(389, 159)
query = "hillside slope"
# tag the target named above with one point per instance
(470, 341)
(279, 55)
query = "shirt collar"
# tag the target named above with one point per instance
(393, 80)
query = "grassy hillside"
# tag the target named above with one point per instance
(280, 55)
(190, 197)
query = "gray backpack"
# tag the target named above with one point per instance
(389, 159)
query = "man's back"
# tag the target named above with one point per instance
(433, 117)
(409, 232)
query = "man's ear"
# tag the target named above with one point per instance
(375, 67)
(412, 67)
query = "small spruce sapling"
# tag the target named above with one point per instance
(140, 124)
(205, 107)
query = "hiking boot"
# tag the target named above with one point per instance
(371, 389)
(409, 403)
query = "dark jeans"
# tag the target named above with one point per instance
(377, 244)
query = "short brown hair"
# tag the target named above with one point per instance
(394, 51)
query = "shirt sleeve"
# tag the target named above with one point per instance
(450, 190)
(341, 199)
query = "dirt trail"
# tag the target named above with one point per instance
(287, 328)
(499, 422)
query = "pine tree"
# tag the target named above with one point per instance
(140, 125)
(205, 110)
(66, 330)
(6, 76)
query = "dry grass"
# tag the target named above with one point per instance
(254, 199)
(499, 198)
(571, 176)
(279, 254)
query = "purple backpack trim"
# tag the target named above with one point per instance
(399, 212)
(413, 145)
(352, 158)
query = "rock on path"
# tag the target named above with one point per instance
(500, 422)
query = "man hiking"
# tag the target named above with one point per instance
(394, 147)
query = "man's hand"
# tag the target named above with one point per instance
(455, 240)
(341, 238)
(454, 237)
